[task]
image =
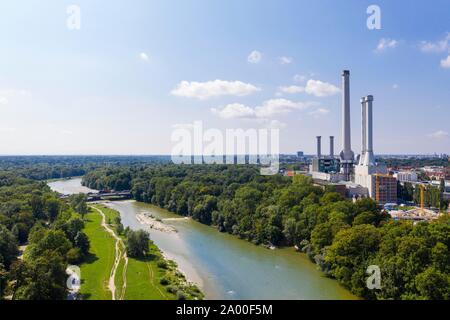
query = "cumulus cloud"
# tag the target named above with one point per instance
(320, 89)
(205, 90)
(439, 134)
(276, 124)
(385, 44)
(143, 56)
(234, 111)
(319, 112)
(445, 63)
(268, 109)
(274, 107)
(254, 57)
(286, 60)
(436, 46)
(291, 89)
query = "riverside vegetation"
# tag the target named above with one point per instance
(342, 237)
(54, 233)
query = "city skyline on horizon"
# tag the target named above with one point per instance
(230, 66)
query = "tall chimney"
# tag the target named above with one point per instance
(369, 159)
(346, 155)
(319, 150)
(363, 131)
(331, 147)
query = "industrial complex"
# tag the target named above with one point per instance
(359, 176)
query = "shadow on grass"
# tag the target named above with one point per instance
(90, 258)
(148, 258)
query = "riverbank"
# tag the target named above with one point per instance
(110, 274)
(226, 267)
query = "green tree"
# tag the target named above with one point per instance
(53, 207)
(37, 206)
(433, 285)
(137, 243)
(8, 246)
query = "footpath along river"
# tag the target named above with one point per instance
(224, 266)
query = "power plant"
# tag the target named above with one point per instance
(362, 177)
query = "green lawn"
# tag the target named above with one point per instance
(143, 276)
(95, 271)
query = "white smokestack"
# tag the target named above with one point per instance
(347, 155)
(363, 131)
(369, 159)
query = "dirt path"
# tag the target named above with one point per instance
(119, 254)
(150, 271)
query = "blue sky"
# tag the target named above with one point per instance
(137, 69)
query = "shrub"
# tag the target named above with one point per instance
(181, 295)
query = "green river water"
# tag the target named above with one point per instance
(224, 266)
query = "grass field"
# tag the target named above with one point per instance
(142, 276)
(95, 271)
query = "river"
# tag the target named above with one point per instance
(222, 265)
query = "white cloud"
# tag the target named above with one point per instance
(437, 46)
(320, 89)
(268, 109)
(299, 78)
(395, 86)
(205, 90)
(143, 56)
(439, 134)
(234, 111)
(279, 106)
(254, 57)
(385, 44)
(319, 112)
(445, 63)
(285, 60)
(291, 89)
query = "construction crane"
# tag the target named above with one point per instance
(422, 199)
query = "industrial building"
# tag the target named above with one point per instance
(362, 176)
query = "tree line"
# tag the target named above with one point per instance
(32, 215)
(343, 238)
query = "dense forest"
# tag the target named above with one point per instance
(58, 167)
(413, 162)
(342, 237)
(30, 213)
